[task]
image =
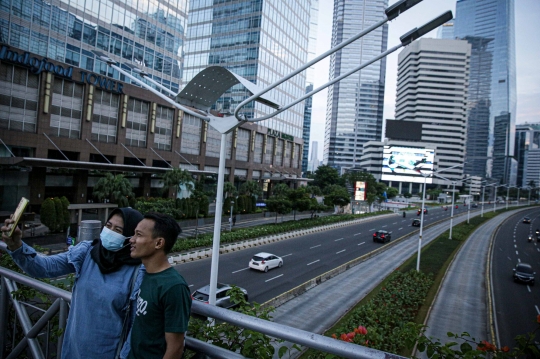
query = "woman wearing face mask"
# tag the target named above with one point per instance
(106, 280)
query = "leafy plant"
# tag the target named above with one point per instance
(177, 177)
(247, 342)
(116, 189)
(48, 214)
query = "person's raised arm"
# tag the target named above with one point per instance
(14, 242)
(175, 345)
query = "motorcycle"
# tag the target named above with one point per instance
(537, 232)
(530, 238)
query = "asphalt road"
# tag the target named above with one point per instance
(516, 304)
(304, 257)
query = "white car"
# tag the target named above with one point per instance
(264, 261)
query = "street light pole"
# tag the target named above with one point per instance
(422, 214)
(529, 202)
(507, 195)
(453, 195)
(230, 218)
(483, 194)
(495, 198)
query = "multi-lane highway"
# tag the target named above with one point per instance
(304, 257)
(516, 304)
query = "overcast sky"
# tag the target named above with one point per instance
(527, 57)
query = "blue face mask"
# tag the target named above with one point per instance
(111, 240)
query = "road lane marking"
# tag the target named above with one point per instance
(357, 234)
(372, 229)
(361, 243)
(236, 271)
(339, 239)
(517, 254)
(341, 251)
(268, 280)
(515, 245)
(394, 223)
(529, 288)
(537, 311)
(315, 246)
(399, 229)
(286, 255)
(313, 262)
(191, 285)
(385, 226)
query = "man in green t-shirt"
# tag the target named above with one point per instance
(164, 301)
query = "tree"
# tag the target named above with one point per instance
(300, 200)
(279, 206)
(371, 184)
(314, 191)
(391, 192)
(229, 189)
(251, 188)
(48, 214)
(176, 178)
(116, 189)
(326, 176)
(337, 195)
(280, 190)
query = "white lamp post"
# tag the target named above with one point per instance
(453, 195)
(230, 218)
(529, 201)
(483, 197)
(469, 207)
(518, 188)
(422, 214)
(495, 198)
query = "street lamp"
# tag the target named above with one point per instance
(469, 207)
(495, 197)
(230, 218)
(422, 211)
(453, 195)
(507, 193)
(483, 197)
(529, 202)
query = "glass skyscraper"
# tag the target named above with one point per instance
(261, 40)
(310, 74)
(488, 25)
(148, 34)
(355, 105)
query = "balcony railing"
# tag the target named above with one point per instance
(9, 281)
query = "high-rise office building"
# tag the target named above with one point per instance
(527, 154)
(432, 86)
(488, 25)
(310, 74)
(261, 40)
(314, 158)
(446, 30)
(355, 105)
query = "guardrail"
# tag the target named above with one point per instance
(9, 280)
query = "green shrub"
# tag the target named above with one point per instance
(48, 214)
(65, 212)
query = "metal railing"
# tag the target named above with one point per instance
(9, 281)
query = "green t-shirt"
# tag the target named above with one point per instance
(163, 306)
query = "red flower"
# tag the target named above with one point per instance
(362, 330)
(486, 346)
(334, 336)
(343, 337)
(505, 349)
(351, 335)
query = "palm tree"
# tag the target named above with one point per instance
(177, 177)
(229, 189)
(116, 189)
(251, 188)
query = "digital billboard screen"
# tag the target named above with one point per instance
(406, 164)
(360, 191)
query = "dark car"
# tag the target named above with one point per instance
(382, 236)
(416, 223)
(474, 205)
(524, 273)
(526, 220)
(223, 298)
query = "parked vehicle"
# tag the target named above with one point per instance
(382, 236)
(523, 273)
(223, 298)
(264, 261)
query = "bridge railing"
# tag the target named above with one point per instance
(10, 281)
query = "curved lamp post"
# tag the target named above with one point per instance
(483, 196)
(422, 212)
(453, 196)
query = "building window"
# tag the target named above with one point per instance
(191, 135)
(242, 145)
(66, 108)
(137, 122)
(257, 153)
(213, 142)
(287, 158)
(19, 91)
(105, 116)
(269, 150)
(279, 153)
(163, 130)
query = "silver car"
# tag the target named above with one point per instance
(223, 298)
(264, 261)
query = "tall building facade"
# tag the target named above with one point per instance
(314, 158)
(446, 31)
(433, 77)
(310, 75)
(488, 25)
(355, 104)
(527, 154)
(261, 40)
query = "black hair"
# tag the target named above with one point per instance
(131, 218)
(164, 226)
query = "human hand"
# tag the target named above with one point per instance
(14, 241)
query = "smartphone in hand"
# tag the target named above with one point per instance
(17, 215)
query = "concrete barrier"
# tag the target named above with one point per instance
(192, 256)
